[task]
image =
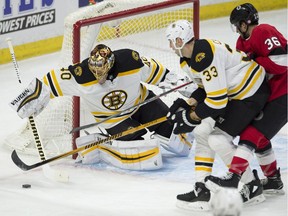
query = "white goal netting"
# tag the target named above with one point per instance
(118, 24)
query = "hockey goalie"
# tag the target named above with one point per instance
(109, 82)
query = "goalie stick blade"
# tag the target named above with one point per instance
(18, 162)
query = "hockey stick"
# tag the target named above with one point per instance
(126, 111)
(25, 167)
(48, 172)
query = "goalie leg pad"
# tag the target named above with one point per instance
(132, 155)
(179, 144)
(88, 156)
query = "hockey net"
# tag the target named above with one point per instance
(134, 24)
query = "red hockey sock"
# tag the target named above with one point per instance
(238, 165)
(269, 169)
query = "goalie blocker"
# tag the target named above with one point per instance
(32, 100)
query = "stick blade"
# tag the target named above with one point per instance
(18, 162)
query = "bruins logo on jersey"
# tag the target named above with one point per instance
(78, 71)
(114, 100)
(199, 57)
(135, 55)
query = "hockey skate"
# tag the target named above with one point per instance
(196, 200)
(252, 192)
(214, 183)
(273, 184)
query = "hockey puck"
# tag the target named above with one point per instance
(26, 186)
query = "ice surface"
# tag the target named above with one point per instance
(104, 190)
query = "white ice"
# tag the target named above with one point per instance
(104, 190)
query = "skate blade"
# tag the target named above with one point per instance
(274, 192)
(255, 200)
(193, 206)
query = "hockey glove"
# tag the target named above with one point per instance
(177, 104)
(184, 123)
(251, 55)
(32, 100)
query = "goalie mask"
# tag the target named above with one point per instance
(101, 60)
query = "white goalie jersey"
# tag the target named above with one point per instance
(121, 90)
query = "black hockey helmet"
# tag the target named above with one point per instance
(244, 13)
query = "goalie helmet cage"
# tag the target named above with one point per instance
(134, 24)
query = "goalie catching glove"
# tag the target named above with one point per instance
(184, 123)
(32, 100)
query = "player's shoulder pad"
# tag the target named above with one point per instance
(81, 72)
(202, 55)
(127, 60)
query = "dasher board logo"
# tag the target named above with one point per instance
(27, 21)
(83, 3)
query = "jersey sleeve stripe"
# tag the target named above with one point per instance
(46, 83)
(55, 81)
(216, 104)
(154, 66)
(153, 73)
(217, 99)
(217, 93)
(51, 85)
(159, 73)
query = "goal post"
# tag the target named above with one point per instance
(125, 16)
(136, 24)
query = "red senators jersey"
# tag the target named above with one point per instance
(270, 50)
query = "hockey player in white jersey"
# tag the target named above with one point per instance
(232, 90)
(109, 82)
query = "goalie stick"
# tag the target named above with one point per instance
(18, 162)
(126, 111)
(55, 175)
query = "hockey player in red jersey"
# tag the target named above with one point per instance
(268, 47)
